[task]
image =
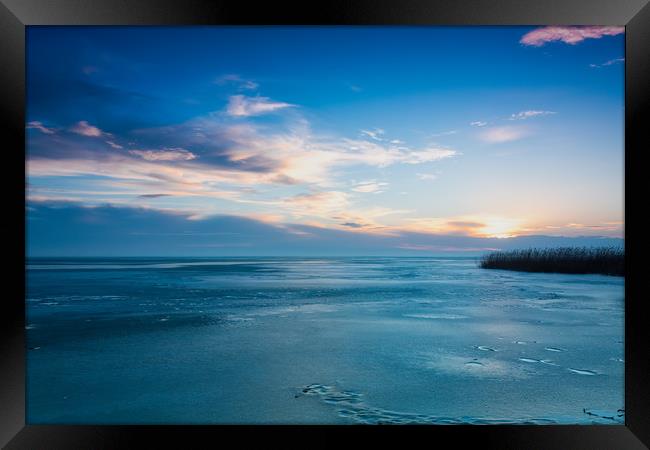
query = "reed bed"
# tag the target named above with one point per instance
(577, 260)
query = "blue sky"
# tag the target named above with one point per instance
(413, 139)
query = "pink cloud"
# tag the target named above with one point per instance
(568, 35)
(241, 106)
(85, 129)
(498, 135)
(168, 154)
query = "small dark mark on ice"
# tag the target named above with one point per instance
(602, 414)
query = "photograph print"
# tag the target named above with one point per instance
(325, 225)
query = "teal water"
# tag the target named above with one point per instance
(319, 340)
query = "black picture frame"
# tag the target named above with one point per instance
(15, 15)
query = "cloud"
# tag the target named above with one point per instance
(210, 164)
(613, 228)
(69, 229)
(476, 226)
(367, 219)
(153, 195)
(123, 177)
(320, 204)
(568, 35)
(206, 160)
(288, 153)
(370, 187)
(114, 145)
(523, 115)
(427, 155)
(462, 224)
(352, 225)
(427, 176)
(478, 123)
(35, 124)
(604, 226)
(445, 133)
(499, 135)
(168, 154)
(611, 62)
(85, 129)
(241, 106)
(444, 248)
(374, 134)
(240, 82)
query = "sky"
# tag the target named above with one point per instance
(321, 140)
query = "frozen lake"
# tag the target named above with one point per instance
(320, 340)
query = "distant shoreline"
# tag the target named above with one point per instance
(570, 260)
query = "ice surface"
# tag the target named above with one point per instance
(320, 340)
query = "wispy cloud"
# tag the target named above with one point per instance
(445, 133)
(427, 155)
(611, 62)
(498, 135)
(114, 145)
(523, 115)
(568, 35)
(242, 106)
(168, 154)
(478, 123)
(85, 129)
(153, 195)
(35, 124)
(319, 204)
(370, 187)
(237, 80)
(353, 224)
(368, 219)
(614, 228)
(427, 176)
(374, 134)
